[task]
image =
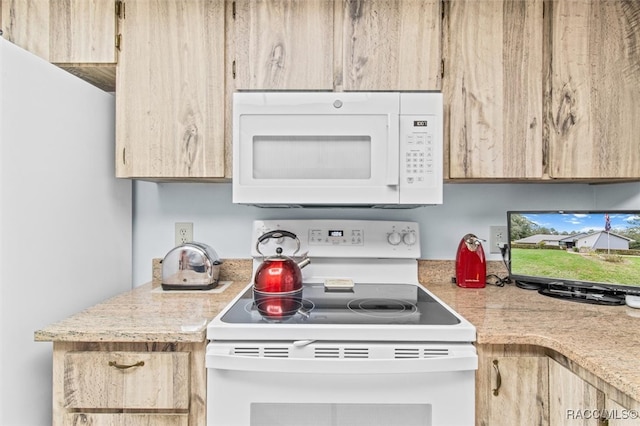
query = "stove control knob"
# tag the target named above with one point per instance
(409, 238)
(394, 238)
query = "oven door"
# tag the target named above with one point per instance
(316, 148)
(328, 384)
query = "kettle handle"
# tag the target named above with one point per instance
(278, 233)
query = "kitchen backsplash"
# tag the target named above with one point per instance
(467, 208)
(429, 271)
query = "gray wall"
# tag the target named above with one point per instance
(467, 208)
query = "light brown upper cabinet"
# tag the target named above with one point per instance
(170, 107)
(593, 108)
(84, 38)
(493, 88)
(282, 44)
(389, 45)
(77, 35)
(26, 24)
(373, 45)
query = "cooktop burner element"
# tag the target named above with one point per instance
(382, 308)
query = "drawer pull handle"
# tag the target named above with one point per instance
(124, 367)
(498, 378)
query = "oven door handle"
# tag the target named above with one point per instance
(462, 362)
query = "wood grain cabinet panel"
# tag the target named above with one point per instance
(170, 107)
(26, 24)
(595, 87)
(282, 44)
(618, 415)
(493, 59)
(82, 31)
(571, 399)
(77, 35)
(532, 385)
(140, 380)
(101, 419)
(390, 45)
(511, 386)
(129, 384)
(83, 40)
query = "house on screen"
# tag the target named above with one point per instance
(604, 240)
(554, 240)
(595, 240)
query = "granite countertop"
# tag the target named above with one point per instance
(149, 314)
(604, 340)
(145, 314)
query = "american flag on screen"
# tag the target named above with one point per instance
(607, 222)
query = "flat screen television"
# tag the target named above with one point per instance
(588, 256)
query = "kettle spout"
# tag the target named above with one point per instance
(304, 262)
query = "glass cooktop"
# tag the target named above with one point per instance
(362, 304)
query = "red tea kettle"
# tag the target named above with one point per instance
(471, 266)
(277, 284)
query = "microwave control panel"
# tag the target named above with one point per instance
(421, 146)
(420, 159)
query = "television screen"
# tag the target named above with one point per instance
(569, 250)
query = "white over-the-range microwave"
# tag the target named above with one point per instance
(380, 149)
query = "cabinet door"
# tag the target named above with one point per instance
(618, 415)
(595, 82)
(283, 44)
(82, 31)
(83, 40)
(390, 45)
(170, 84)
(493, 86)
(572, 400)
(77, 35)
(26, 24)
(107, 419)
(511, 390)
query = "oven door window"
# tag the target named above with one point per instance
(265, 414)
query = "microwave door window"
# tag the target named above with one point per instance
(304, 157)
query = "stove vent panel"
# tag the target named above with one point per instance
(415, 353)
(337, 352)
(342, 352)
(266, 352)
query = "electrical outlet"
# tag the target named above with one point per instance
(497, 235)
(184, 232)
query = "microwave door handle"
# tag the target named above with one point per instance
(393, 150)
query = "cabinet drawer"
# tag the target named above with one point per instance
(121, 380)
(102, 419)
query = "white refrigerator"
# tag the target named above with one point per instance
(65, 220)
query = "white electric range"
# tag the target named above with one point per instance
(380, 350)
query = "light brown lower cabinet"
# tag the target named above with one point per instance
(529, 385)
(114, 384)
(572, 400)
(511, 386)
(101, 419)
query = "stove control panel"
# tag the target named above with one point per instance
(342, 238)
(336, 237)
